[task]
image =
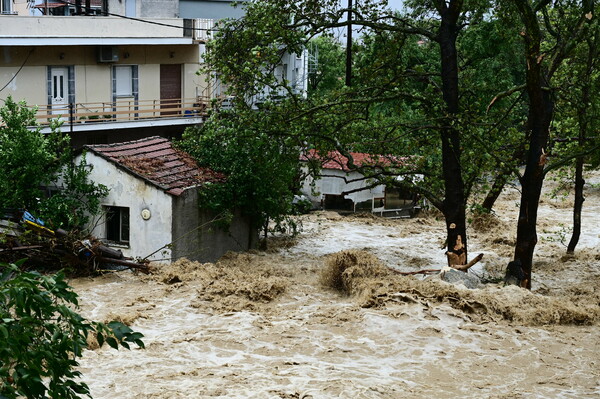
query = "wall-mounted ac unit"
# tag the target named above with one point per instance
(108, 54)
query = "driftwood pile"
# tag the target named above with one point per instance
(23, 237)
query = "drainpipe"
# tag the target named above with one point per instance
(71, 116)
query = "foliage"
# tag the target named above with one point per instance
(41, 336)
(261, 164)
(31, 161)
(77, 199)
(397, 102)
(28, 159)
(439, 83)
(329, 73)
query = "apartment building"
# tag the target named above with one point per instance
(118, 70)
(116, 77)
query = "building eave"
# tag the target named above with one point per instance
(89, 41)
(99, 126)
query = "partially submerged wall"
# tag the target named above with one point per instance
(196, 236)
(333, 182)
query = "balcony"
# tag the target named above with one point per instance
(92, 30)
(123, 114)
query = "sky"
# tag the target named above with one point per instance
(395, 4)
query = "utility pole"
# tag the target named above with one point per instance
(349, 46)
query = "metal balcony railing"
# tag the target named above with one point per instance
(123, 110)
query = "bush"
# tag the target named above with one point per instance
(30, 161)
(41, 336)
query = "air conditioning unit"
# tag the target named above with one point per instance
(108, 54)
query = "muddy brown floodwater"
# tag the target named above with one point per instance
(260, 325)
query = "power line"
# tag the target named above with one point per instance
(21, 67)
(139, 19)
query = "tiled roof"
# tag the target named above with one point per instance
(335, 160)
(155, 160)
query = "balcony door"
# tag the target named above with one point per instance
(170, 89)
(59, 90)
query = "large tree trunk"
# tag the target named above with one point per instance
(454, 205)
(541, 107)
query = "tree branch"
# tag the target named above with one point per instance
(504, 94)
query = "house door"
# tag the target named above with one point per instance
(170, 89)
(59, 90)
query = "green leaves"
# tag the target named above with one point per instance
(28, 159)
(41, 336)
(259, 156)
(31, 161)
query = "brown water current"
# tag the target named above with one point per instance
(262, 324)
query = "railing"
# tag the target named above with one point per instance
(123, 110)
(203, 29)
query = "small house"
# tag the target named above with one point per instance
(153, 209)
(341, 186)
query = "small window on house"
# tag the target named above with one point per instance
(117, 224)
(123, 80)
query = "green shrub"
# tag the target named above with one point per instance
(42, 336)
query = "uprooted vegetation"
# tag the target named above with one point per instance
(360, 274)
(234, 283)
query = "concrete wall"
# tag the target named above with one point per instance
(211, 9)
(334, 184)
(21, 7)
(29, 85)
(207, 243)
(159, 8)
(146, 236)
(88, 27)
(147, 8)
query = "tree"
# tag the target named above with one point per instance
(28, 159)
(549, 40)
(260, 165)
(328, 75)
(76, 200)
(31, 161)
(42, 336)
(410, 93)
(579, 113)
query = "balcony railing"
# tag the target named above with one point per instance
(123, 110)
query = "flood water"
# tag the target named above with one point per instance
(260, 325)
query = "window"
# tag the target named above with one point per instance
(130, 8)
(117, 224)
(6, 7)
(123, 80)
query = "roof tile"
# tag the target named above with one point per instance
(336, 160)
(155, 160)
